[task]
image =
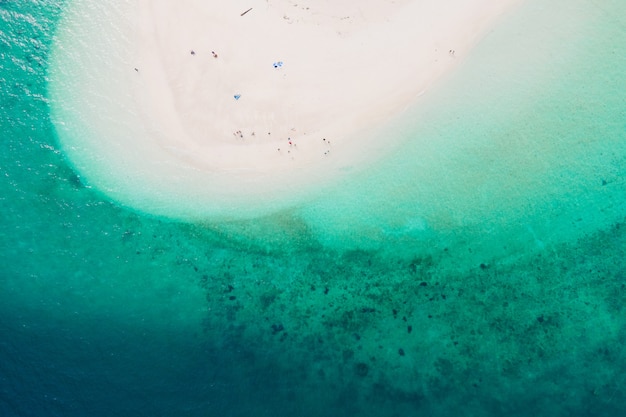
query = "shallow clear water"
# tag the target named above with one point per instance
(479, 270)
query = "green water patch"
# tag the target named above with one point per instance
(352, 331)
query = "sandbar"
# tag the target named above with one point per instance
(248, 106)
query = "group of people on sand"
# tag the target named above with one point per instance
(239, 133)
(212, 53)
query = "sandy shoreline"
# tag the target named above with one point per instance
(291, 84)
(298, 97)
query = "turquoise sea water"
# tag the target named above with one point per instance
(477, 270)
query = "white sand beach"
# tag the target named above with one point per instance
(340, 69)
(244, 98)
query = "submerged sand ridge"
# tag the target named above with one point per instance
(241, 99)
